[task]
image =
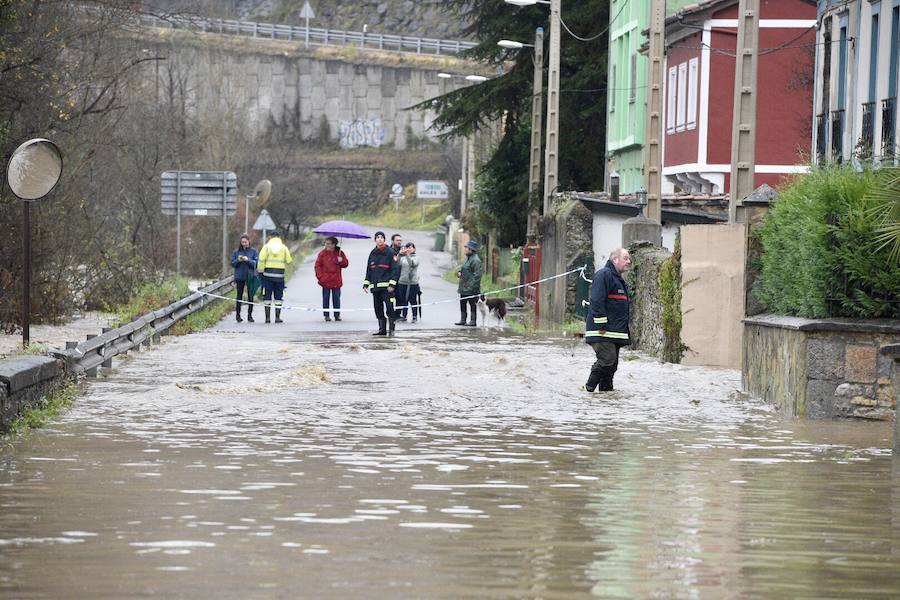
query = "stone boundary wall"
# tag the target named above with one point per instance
(566, 237)
(646, 305)
(820, 369)
(25, 382)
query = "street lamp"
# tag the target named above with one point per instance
(641, 199)
(551, 155)
(534, 169)
(32, 172)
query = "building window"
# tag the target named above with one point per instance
(670, 105)
(693, 68)
(681, 117)
(632, 93)
(612, 90)
(873, 57)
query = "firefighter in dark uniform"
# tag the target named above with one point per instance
(381, 279)
(606, 322)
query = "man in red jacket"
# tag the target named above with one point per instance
(329, 263)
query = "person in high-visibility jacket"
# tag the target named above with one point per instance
(381, 277)
(606, 321)
(273, 260)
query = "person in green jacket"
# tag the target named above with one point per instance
(469, 283)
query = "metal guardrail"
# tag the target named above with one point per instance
(313, 35)
(84, 358)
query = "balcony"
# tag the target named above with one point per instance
(837, 135)
(888, 127)
(867, 134)
(821, 139)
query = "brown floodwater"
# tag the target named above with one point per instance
(438, 464)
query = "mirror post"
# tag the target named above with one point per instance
(26, 275)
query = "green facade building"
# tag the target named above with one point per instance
(626, 119)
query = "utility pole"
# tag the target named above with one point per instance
(653, 157)
(743, 132)
(551, 176)
(537, 101)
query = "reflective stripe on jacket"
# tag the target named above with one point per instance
(274, 259)
(381, 269)
(609, 311)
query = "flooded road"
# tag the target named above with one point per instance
(303, 461)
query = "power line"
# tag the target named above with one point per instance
(593, 37)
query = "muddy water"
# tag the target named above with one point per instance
(438, 465)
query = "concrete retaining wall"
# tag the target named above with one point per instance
(820, 369)
(25, 382)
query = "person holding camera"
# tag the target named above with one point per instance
(408, 290)
(329, 263)
(244, 262)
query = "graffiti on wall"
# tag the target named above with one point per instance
(361, 132)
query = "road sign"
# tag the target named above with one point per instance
(397, 189)
(307, 11)
(264, 223)
(432, 190)
(201, 193)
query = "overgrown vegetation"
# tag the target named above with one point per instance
(822, 254)
(670, 297)
(49, 407)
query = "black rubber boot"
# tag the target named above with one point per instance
(337, 316)
(237, 313)
(250, 313)
(327, 317)
(606, 383)
(462, 319)
(472, 322)
(278, 316)
(382, 327)
(392, 323)
(593, 380)
(268, 314)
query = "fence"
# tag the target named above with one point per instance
(313, 35)
(84, 358)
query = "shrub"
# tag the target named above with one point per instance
(819, 258)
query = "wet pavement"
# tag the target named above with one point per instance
(442, 463)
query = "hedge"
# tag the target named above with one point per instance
(820, 257)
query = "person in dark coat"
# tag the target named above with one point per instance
(244, 261)
(606, 321)
(329, 263)
(469, 283)
(381, 278)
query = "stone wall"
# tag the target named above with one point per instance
(25, 382)
(646, 305)
(566, 240)
(278, 88)
(820, 369)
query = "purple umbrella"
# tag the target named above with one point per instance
(342, 229)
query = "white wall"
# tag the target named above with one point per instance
(608, 235)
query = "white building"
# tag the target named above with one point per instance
(856, 81)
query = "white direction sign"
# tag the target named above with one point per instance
(432, 190)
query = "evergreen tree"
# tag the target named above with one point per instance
(503, 181)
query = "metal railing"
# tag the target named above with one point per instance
(867, 134)
(821, 138)
(312, 36)
(837, 135)
(84, 358)
(888, 125)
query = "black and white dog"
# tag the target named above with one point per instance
(494, 306)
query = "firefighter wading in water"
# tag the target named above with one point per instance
(273, 260)
(381, 277)
(606, 322)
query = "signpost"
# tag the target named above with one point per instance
(307, 13)
(431, 190)
(264, 222)
(199, 194)
(397, 195)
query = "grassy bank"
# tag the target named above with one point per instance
(407, 216)
(38, 416)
